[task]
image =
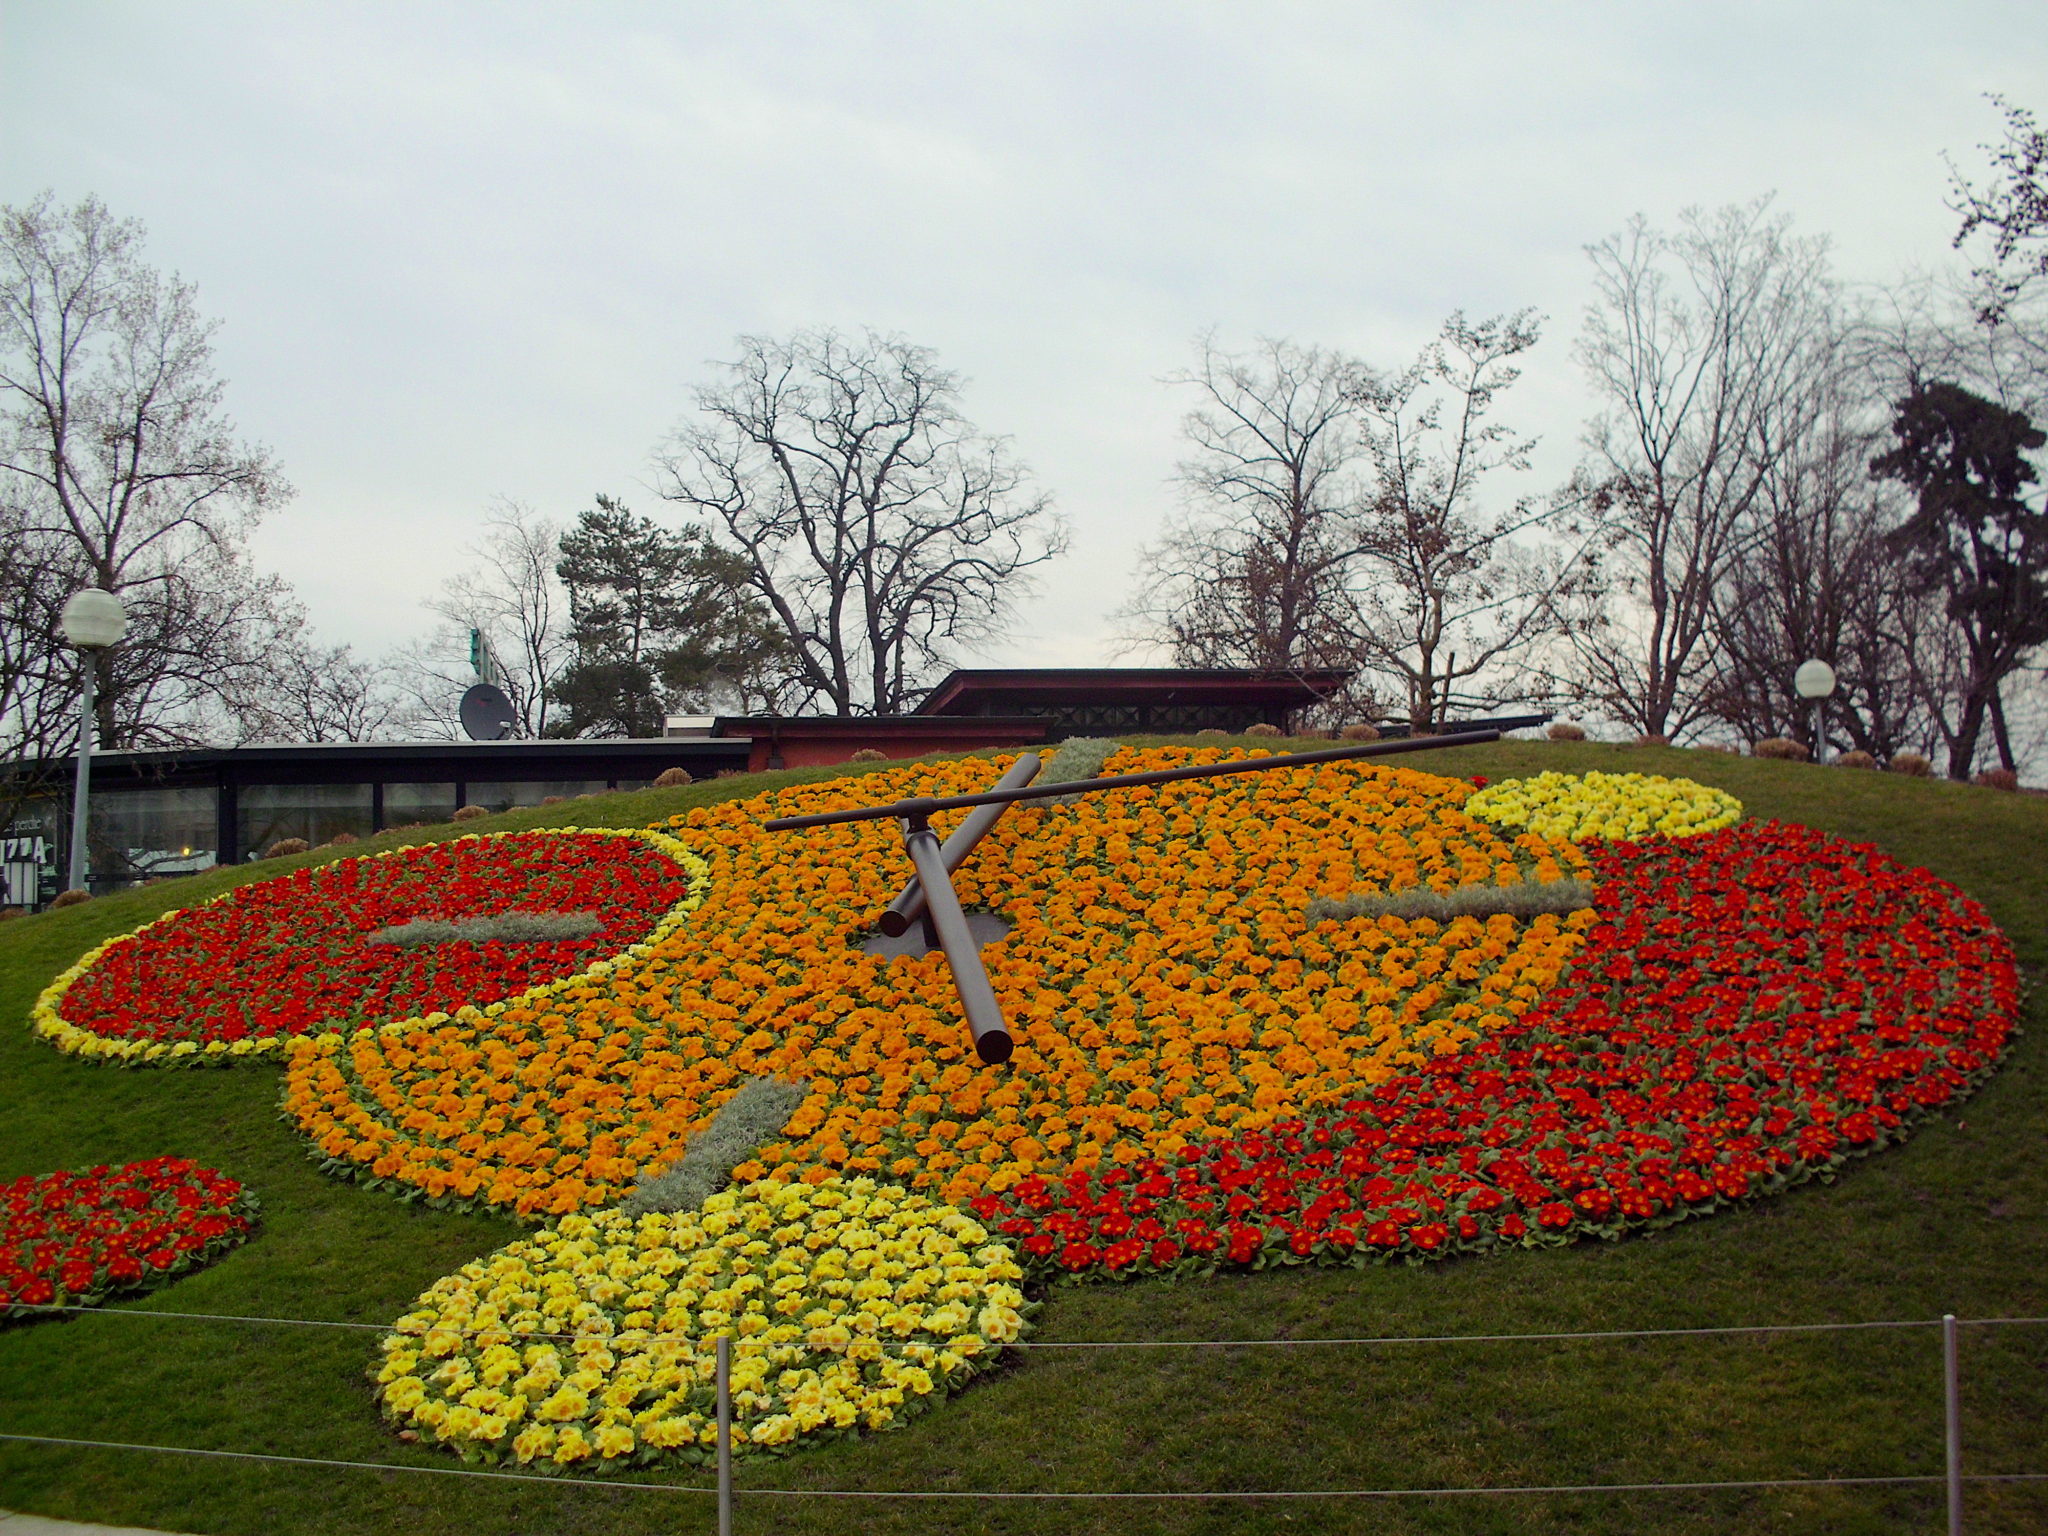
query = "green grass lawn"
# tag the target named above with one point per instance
(1954, 1221)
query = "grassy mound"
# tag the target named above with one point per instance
(1954, 1221)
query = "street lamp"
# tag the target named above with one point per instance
(1815, 680)
(92, 620)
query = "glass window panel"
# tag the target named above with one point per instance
(268, 813)
(409, 805)
(31, 846)
(503, 797)
(145, 834)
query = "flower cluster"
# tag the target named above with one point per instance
(1571, 807)
(1161, 978)
(1754, 1007)
(851, 1306)
(295, 955)
(73, 1239)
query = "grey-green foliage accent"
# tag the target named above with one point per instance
(506, 927)
(1075, 759)
(750, 1117)
(1529, 899)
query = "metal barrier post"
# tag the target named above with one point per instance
(724, 1436)
(1952, 1406)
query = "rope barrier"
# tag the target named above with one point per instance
(1049, 1344)
(1084, 1494)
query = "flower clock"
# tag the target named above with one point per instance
(76, 1239)
(1243, 1039)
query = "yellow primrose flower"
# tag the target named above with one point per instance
(1566, 807)
(804, 1360)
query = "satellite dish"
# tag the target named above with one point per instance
(487, 715)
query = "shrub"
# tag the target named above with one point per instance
(673, 778)
(341, 840)
(1912, 764)
(1263, 730)
(1564, 730)
(1855, 759)
(869, 755)
(286, 846)
(70, 898)
(1359, 732)
(1652, 739)
(1997, 778)
(505, 927)
(410, 826)
(750, 1117)
(729, 773)
(1780, 747)
(554, 799)
(1529, 899)
(9, 914)
(471, 812)
(1718, 746)
(1077, 758)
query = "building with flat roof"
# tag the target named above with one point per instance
(175, 812)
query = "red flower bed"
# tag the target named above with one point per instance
(70, 1239)
(1755, 1006)
(290, 956)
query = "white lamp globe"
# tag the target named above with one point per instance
(1814, 680)
(93, 620)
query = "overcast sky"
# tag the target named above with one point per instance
(463, 251)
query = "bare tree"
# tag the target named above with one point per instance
(1252, 573)
(118, 468)
(1448, 598)
(514, 599)
(1817, 581)
(1926, 329)
(38, 679)
(1699, 342)
(310, 692)
(881, 528)
(2013, 209)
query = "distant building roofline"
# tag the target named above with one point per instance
(960, 690)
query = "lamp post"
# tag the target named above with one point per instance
(92, 620)
(1815, 680)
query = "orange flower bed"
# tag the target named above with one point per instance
(1161, 980)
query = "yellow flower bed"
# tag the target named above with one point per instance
(851, 1306)
(1161, 981)
(1570, 807)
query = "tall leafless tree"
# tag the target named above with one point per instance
(1816, 581)
(312, 693)
(881, 528)
(1448, 594)
(1333, 521)
(513, 597)
(2012, 209)
(1700, 342)
(1252, 572)
(119, 468)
